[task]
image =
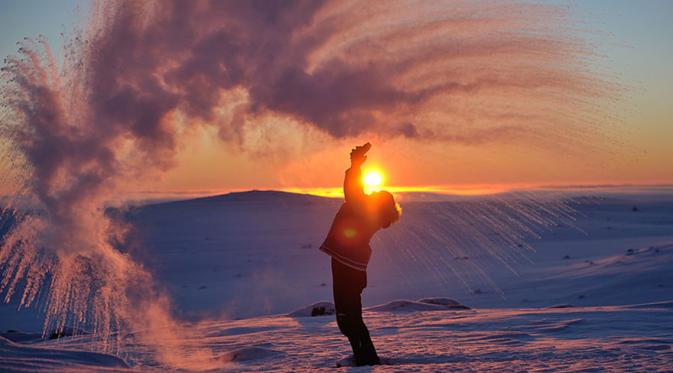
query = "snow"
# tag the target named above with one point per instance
(315, 309)
(610, 338)
(245, 274)
(446, 302)
(19, 357)
(252, 353)
(425, 304)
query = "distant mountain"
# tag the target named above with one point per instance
(256, 196)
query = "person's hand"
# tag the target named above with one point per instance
(358, 156)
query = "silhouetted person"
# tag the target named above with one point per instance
(347, 242)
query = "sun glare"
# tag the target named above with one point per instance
(373, 181)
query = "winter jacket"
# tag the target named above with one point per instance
(353, 226)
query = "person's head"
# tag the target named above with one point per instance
(387, 210)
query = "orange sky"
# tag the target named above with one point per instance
(205, 164)
(634, 143)
(637, 149)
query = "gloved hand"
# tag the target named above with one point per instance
(358, 156)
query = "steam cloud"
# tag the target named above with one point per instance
(143, 71)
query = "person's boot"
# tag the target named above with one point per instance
(367, 354)
(366, 358)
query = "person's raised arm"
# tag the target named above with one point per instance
(354, 190)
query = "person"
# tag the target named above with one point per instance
(347, 242)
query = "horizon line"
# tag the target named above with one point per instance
(337, 192)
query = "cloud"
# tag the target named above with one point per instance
(345, 69)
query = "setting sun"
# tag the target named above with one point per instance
(373, 180)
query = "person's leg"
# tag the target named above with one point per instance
(366, 351)
(343, 299)
(348, 285)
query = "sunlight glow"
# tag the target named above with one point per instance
(373, 181)
(455, 190)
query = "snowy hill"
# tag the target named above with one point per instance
(207, 251)
(232, 262)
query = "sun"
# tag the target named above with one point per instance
(373, 181)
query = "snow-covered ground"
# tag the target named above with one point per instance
(595, 293)
(611, 338)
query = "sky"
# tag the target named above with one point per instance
(634, 41)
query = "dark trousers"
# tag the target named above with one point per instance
(348, 284)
